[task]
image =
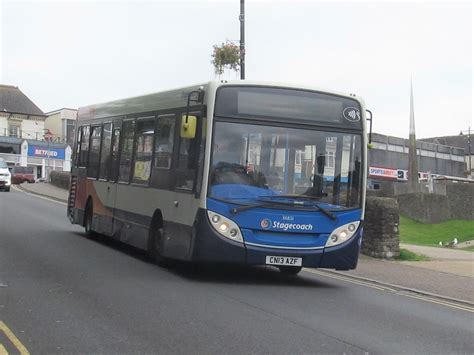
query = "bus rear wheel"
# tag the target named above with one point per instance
(88, 222)
(290, 270)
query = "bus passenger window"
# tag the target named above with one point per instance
(105, 151)
(78, 146)
(143, 151)
(164, 142)
(94, 153)
(115, 150)
(164, 139)
(126, 149)
(84, 152)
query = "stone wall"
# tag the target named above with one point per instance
(456, 203)
(381, 230)
(425, 208)
(461, 200)
(448, 201)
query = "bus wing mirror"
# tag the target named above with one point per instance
(188, 126)
(370, 130)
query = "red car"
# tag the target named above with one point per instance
(21, 174)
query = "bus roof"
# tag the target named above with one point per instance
(175, 98)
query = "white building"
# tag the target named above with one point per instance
(19, 116)
(62, 123)
(22, 135)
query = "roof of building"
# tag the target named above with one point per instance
(13, 100)
(61, 109)
(460, 141)
(432, 144)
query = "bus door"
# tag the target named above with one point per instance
(185, 203)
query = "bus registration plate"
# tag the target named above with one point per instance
(283, 260)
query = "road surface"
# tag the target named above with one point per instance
(63, 293)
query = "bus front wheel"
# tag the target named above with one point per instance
(290, 270)
(155, 245)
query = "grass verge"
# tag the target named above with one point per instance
(413, 232)
(406, 255)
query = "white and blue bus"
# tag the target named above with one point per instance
(228, 172)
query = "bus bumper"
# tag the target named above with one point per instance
(209, 246)
(344, 256)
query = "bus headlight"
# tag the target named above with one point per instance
(225, 226)
(342, 234)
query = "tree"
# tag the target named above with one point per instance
(227, 55)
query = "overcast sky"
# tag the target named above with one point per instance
(70, 54)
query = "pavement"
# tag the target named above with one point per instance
(448, 274)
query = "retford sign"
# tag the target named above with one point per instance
(42, 152)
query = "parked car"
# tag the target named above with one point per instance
(20, 174)
(5, 176)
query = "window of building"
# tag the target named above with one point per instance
(126, 150)
(330, 158)
(105, 155)
(94, 152)
(84, 146)
(70, 128)
(14, 129)
(143, 150)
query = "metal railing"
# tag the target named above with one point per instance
(34, 135)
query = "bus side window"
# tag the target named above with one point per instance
(84, 151)
(126, 150)
(114, 157)
(78, 146)
(94, 152)
(143, 150)
(187, 158)
(105, 157)
(163, 154)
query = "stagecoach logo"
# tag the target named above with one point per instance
(265, 223)
(351, 114)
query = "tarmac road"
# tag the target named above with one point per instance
(63, 293)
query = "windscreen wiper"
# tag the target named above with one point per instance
(267, 204)
(327, 213)
(236, 210)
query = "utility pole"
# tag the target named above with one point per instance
(469, 148)
(242, 39)
(469, 152)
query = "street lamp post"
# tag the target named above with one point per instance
(242, 39)
(469, 147)
(48, 136)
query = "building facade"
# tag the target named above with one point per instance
(62, 124)
(24, 135)
(463, 141)
(388, 159)
(19, 116)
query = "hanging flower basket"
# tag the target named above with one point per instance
(227, 55)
